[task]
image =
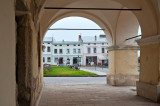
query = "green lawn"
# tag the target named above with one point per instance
(66, 71)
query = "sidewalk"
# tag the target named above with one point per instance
(74, 80)
(97, 70)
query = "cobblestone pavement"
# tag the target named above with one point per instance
(75, 80)
(91, 95)
(97, 70)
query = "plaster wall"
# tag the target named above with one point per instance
(7, 58)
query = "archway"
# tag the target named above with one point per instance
(81, 43)
(87, 15)
(120, 28)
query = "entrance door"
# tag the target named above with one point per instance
(60, 60)
(74, 60)
(95, 60)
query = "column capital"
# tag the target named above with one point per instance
(111, 48)
(149, 40)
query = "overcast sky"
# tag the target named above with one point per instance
(73, 22)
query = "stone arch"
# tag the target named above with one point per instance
(146, 18)
(127, 26)
(92, 17)
(150, 21)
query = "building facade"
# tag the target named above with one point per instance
(94, 50)
(62, 53)
(86, 51)
(67, 53)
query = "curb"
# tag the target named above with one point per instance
(74, 75)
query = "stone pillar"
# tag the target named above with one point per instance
(123, 66)
(148, 85)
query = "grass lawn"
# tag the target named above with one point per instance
(66, 71)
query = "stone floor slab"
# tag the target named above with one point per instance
(91, 95)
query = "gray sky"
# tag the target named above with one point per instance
(73, 22)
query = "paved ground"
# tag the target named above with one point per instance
(75, 80)
(97, 70)
(91, 95)
(88, 91)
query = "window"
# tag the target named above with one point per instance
(102, 43)
(107, 51)
(60, 45)
(74, 51)
(56, 59)
(55, 45)
(94, 43)
(48, 59)
(48, 49)
(48, 43)
(103, 51)
(43, 59)
(60, 51)
(78, 45)
(79, 50)
(89, 50)
(74, 45)
(55, 51)
(68, 51)
(67, 45)
(94, 50)
(88, 43)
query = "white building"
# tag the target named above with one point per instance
(47, 52)
(94, 50)
(62, 52)
(87, 50)
(67, 53)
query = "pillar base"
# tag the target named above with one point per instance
(122, 80)
(148, 91)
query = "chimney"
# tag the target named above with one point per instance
(102, 35)
(79, 38)
(95, 37)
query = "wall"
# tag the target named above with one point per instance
(7, 57)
